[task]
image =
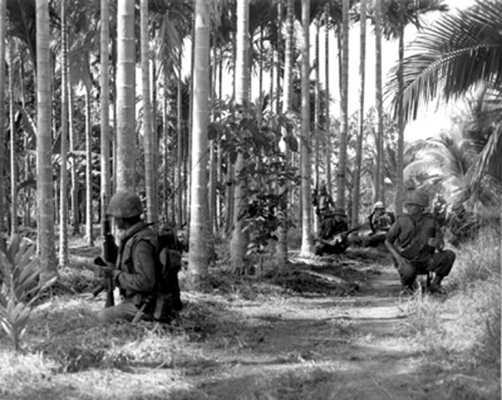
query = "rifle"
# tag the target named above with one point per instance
(339, 236)
(110, 252)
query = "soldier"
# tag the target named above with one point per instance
(380, 221)
(324, 203)
(416, 244)
(135, 271)
(331, 238)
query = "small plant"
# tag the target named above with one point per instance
(20, 286)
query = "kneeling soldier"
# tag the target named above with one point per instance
(416, 244)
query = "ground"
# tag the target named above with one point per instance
(321, 328)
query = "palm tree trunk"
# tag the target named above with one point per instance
(239, 240)
(148, 134)
(63, 197)
(344, 117)
(89, 216)
(360, 132)
(3, 17)
(198, 256)
(305, 153)
(126, 102)
(282, 245)
(45, 194)
(400, 126)
(327, 129)
(378, 102)
(13, 163)
(105, 186)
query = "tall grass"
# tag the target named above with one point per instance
(469, 317)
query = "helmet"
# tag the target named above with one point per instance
(418, 198)
(124, 204)
(378, 205)
(339, 211)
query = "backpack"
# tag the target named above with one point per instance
(168, 250)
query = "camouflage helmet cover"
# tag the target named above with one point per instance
(124, 204)
(418, 198)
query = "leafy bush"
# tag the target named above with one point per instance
(20, 288)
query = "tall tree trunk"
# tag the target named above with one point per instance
(75, 211)
(400, 129)
(360, 131)
(179, 148)
(282, 244)
(89, 215)
(45, 194)
(240, 238)
(105, 184)
(198, 256)
(378, 101)
(63, 197)
(13, 163)
(317, 112)
(3, 4)
(148, 133)
(327, 130)
(305, 151)
(344, 117)
(126, 102)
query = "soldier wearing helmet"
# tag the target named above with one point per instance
(331, 238)
(380, 221)
(416, 244)
(134, 272)
(324, 204)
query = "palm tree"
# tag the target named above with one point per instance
(282, 245)
(45, 195)
(397, 15)
(126, 102)
(63, 210)
(197, 258)
(148, 131)
(2, 114)
(105, 184)
(240, 239)
(360, 132)
(305, 132)
(457, 53)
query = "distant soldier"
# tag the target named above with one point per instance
(324, 204)
(332, 237)
(380, 221)
(462, 224)
(416, 244)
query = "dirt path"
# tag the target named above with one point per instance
(321, 347)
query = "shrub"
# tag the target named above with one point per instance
(20, 288)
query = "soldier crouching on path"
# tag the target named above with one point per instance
(416, 244)
(331, 238)
(135, 270)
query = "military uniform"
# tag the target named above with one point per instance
(136, 266)
(328, 230)
(411, 239)
(380, 223)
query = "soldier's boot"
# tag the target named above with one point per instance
(436, 285)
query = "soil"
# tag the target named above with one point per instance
(327, 342)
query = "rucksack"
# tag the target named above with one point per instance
(168, 296)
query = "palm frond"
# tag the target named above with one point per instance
(450, 57)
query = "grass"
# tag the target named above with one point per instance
(68, 355)
(464, 327)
